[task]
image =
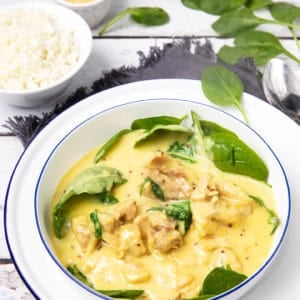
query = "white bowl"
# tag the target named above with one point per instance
(92, 11)
(68, 20)
(82, 128)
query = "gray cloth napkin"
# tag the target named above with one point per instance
(184, 58)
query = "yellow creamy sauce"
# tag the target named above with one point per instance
(178, 273)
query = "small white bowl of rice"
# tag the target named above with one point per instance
(42, 47)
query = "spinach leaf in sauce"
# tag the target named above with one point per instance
(179, 210)
(273, 218)
(94, 180)
(219, 280)
(156, 189)
(123, 294)
(97, 226)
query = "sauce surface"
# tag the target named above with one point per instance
(142, 249)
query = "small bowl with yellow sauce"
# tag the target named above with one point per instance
(92, 11)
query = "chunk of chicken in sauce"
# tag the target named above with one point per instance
(159, 232)
(217, 202)
(169, 175)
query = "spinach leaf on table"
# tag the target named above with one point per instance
(216, 7)
(150, 16)
(287, 13)
(222, 87)
(231, 23)
(93, 180)
(261, 46)
(255, 4)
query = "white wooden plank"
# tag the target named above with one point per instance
(12, 287)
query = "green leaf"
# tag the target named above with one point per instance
(255, 4)
(209, 128)
(222, 87)
(107, 198)
(110, 144)
(149, 133)
(273, 218)
(215, 7)
(182, 151)
(284, 12)
(150, 16)
(94, 180)
(179, 210)
(261, 46)
(74, 270)
(152, 122)
(122, 294)
(232, 23)
(230, 154)
(220, 280)
(156, 189)
(96, 223)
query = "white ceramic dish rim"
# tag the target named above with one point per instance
(83, 57)
(69, 132)
(92, 3)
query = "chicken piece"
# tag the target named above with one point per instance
(83, 233)
(108, 221)
(126, 211)
(135, 273)
(230, 202)
(131, 240)
(159, 232)
(223, 257)
(170, 176)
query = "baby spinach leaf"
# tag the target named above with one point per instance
(74, 270)
(230, 154)
(232, 23)
(182, 151)
(261, 46)
(107, 198)
(222, 87)
(286, 12)
(255, 4)
(151, 122)
(179, 210)
(220, 280)
(149, 16)
(94, 180)
(119, 294)
(156, 189)
(273, 218)
(97, 226)
(210, 128)
(122, 294)
(109, 144)
(216, 7)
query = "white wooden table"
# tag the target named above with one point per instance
(118, 47)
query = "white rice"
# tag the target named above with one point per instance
(34, 50)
